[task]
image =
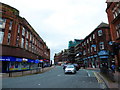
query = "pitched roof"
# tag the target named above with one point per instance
(103, 25)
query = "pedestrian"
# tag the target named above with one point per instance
(113, 68)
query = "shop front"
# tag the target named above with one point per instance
(12, 64)
(104, 58)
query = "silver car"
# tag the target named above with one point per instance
(70, 69)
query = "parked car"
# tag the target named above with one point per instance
(77, 66)
(70, 69)
(64, 66)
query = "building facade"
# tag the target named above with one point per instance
(95, 49)
(113, 12)
(21, 46)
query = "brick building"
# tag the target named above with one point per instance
(95, 49)
(21, 46)
(113, 12)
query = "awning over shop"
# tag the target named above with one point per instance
(95, 55)
(103, 53)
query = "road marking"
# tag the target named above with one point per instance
(58, 75)
(98, 78)
(38, 84)
(88, 74)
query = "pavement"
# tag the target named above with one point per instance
(29, 72)
(110, 84)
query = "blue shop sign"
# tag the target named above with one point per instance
(37, 61)
(103, 53)
(7, 58)
(95, 55)
(31, 61)
(88, 57)
(103, 56)
(91, 56)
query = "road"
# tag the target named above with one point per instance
(55, 78)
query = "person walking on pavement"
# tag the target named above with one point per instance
(113, 68)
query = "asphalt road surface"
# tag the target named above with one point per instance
(55, 78)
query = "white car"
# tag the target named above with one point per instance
(70, 69)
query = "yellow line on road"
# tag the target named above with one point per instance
(98, 78)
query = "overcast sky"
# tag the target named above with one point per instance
(59, 21)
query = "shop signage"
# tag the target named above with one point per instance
(103, 53)
(103, 56)
(25, 60)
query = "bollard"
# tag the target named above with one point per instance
(10, 74)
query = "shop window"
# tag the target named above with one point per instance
(100, 33)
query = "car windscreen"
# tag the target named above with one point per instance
(70, 66)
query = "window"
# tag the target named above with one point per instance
(88, 50)
(1, 37)
(2, 27)
(10, 27)
(90, 39)
(18, 29)
(100, 33)
(93, 36)
(9, 35)
(26, 45)
(91, 49)
(95, 49)
(27, 35)
(22, 43)
(2, 23)
(116, 10)
(101, 45)
(118, 30)
(87, 41)
(23, 31)
(17, 41)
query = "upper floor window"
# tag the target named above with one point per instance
(100, 33)
(1, 37)
(23, 31)
(90, 39)
(9, 35)
(101, 45)
(10, 26)
(87, 41)
(118, 30)
(116, 10)
(93, 36)
(22, 43)
(2, 23)
(27, 34)
(18, 28)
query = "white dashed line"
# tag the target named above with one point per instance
(58, 75)
(88, 74)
